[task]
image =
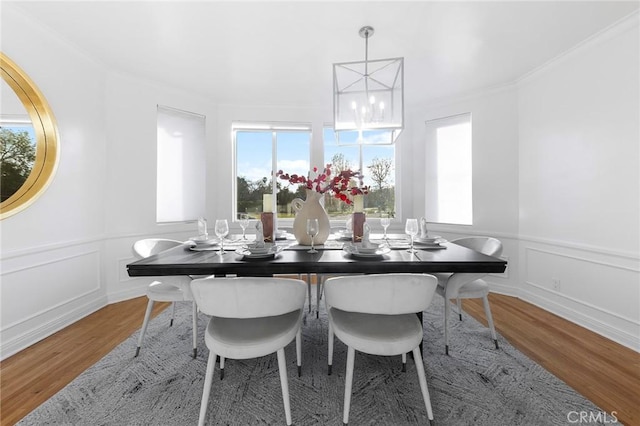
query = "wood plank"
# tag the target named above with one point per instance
(603, 371)
(30, 377)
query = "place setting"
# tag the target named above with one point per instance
(421, 237)
(367, 249)
(258, 249)
(202, 242)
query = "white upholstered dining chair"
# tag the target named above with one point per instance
(376, 314)
(468, 285)
(250, 317)
(165, 289)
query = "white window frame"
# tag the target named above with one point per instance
(274, 128)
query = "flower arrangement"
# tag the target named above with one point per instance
(338, 185)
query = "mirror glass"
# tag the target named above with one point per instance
(28, 140)
(17, 143)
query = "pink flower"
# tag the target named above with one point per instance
(337, 185)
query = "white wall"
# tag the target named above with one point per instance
(130, 191)
(495, 171)
(65, 256)
(580, 185)
(52, 251)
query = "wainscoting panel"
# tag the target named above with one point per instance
(598, 290)
(46, 291)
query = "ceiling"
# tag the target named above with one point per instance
(281, 53)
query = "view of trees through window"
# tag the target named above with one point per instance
(376, 161)
(17, 156)
(261, 152)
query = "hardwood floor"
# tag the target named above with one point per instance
(33, 375)
(603, 371)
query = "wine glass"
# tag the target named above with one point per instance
(411, 228)
(312, 230)
(244, 223)
(221, 229)
(385, 222)
(202, 228)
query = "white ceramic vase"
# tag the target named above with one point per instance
(310, 209)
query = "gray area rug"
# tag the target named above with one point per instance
(475, 385)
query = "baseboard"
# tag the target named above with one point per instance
(619, 336)
(128, 294)
(23, 341)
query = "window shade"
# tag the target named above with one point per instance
(181, 162)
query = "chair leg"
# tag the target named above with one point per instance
(459, 303)
(282, 366)
(309, 290)
(330, 345)
(348, 384)
(487, 311)
(145, 323)
(299, 351)
(208, 380)
(221, 367)
(447, 309)
(404, 363)
(173, 313)
(422, 378)
(195, 329)
(319, 282)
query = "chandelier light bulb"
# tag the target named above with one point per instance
(372, 100)
(354, 105)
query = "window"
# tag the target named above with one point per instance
(260, 149)
(375, 158)
(449, 170)
(181, 173)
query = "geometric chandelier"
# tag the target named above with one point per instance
(369, 95)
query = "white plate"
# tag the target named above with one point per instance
(247, 254)
(199, 241)
(254, 249)
(368, 250)
(428, 240)
(353, 251)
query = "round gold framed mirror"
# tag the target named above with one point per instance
(37, 172)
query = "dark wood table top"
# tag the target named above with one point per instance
(182, 261)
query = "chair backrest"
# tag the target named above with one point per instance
(150, 246)
(248, 297)
(485, 245)
(388, 294)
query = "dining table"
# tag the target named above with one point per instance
(331, 258)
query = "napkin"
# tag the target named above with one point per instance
(424, 233)
(259, 235)
(366, 231)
